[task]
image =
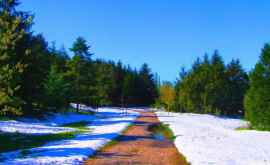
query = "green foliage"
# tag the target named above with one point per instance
(38, 66)
(257, 102)
(147, 87)
(139, 88)
(81, 48)
(104, 82)
(78, 73)
(129, 89)
(164, 130)
(14, 141)
(212, 87)
(167, 96)
(14, 27)
(81, 126)
(36, 78)
(56, 89)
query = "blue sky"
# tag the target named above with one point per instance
(166, 34)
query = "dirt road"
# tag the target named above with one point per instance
(137, 146)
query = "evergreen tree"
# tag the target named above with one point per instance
(59, 58)
(129, 92)
(79, 71)
(178, 106)
(56, 89)
(211, 87)
(14, 26)
(148, 87)
(237, 85)
(104, 83)
(216, 87)
(117, 84)
(34, 76)
(257, 99)
(81, 48)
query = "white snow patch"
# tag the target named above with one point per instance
(207, 139)
(82, 107)
(50, 125)
(105, 125)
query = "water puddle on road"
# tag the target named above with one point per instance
(159, 136)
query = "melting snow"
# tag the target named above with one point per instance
(105, 125)
(206, 139)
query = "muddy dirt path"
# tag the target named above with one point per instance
(137, 146)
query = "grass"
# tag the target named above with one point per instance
(109, 144)
(81, 126)
(249, 128)
(2, 118)
(127, 128)
(243, 128)
(15, 141)
(162, 129)
(113, 141)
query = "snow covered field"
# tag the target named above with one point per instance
(206, 139)
(105, 125)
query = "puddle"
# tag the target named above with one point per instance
(161, 132)
(159, 136)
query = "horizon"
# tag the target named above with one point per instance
(165, 35)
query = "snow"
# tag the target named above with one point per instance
(105, 125)
(82, 107)
(50, 125)
(207, 139)
(29, 128)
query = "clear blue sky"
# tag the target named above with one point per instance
(166, 34)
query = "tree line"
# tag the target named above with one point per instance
(36, 77)
(211, 86)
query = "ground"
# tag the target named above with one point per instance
(137, 146)
(208, 139)
(105, 125)
(202, 139)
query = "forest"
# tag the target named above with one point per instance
(36, 77)
(213, 87)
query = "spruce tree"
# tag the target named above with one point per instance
(257, 99)
(104, 83)
(34, 76)
(14, 26)
(56, 89)
(148, 87)
(79, 72)
(236, 86)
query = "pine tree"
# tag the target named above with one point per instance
(148, 87)
(104, 83)
(34, 76)
(128, 91)
(237, 84)
(79, 72)
(14, 26)
(257, 99)
(118, 79)
(212, 87)
(56, 89)
(216, 87)
(81, 48)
